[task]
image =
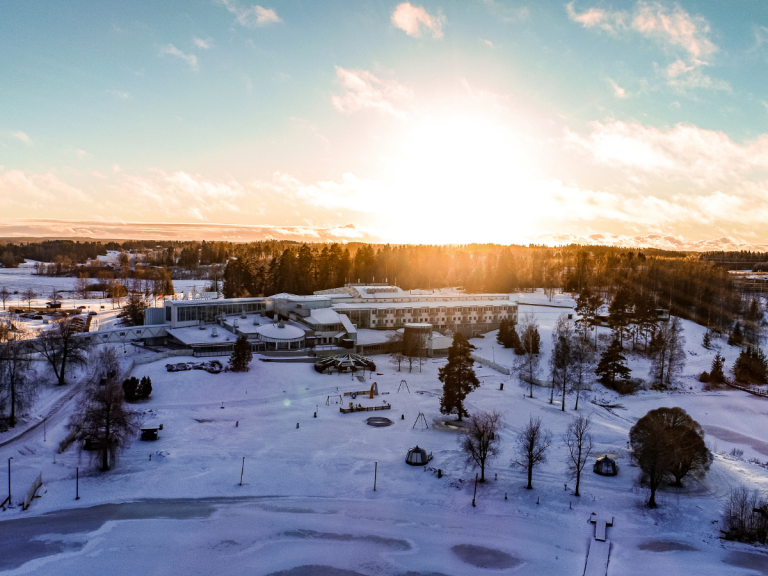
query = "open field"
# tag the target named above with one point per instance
(307, 496)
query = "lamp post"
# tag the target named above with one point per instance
(10, 502)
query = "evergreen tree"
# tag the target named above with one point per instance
(503, 335)
(736, 338)
(514, 341)
(241, 355)
(612, 364)
(531, 341)
(707, 340)
(751, 366)
(619, 314)
(458, 377)
(716, 374)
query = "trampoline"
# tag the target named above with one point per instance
(379, 421)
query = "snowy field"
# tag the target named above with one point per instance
(307, 496)
(22, 278)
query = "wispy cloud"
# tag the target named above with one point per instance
(120, 94)
(204, 44)
(19, 135)
(82, 154)
(171, 50)
(252, 17)
(364, 90)
(618, 91)
(671, 27)
(410, 19)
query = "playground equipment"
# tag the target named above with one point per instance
(374, 391)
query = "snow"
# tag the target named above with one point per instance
(307, 495)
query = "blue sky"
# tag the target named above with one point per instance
(602, 121)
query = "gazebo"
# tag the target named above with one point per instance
(606, 466)
(418, 457)
(345, 363)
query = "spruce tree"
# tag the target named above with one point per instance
(716, 375)
(241, 355)
(514, 341)
(736, 337)
(751, 366)
(612, 364)
(707, 340)
(458, 377)
(503, 336)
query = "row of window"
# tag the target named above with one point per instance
(444, 310)
(210, 312)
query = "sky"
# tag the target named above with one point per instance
(594, 121)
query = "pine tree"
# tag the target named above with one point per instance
(612, 364)
(514, 341)
(716, 374)
(241, 355)
(751, 366)
(736, 338)
(458, 377)
(503, 335)
(707, 340)
(619, 314)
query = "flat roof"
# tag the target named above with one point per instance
(193, 335)
(429, 304)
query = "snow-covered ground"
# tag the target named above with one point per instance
(307, 496)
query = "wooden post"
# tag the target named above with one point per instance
(77, 483)
(475, 495)
(10, 502)
(242, 471)
(44, 433)
(375, 474)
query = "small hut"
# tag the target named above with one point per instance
(418, 457)
(149, 431)
(606, 466)
(345, 363)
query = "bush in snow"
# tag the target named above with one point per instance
(751, 366)
(745, 517)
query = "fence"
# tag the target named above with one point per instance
(747, 389)
(31, 493)
(486, 362)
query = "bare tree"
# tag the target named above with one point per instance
(82, 287)
(54, 294)
(29, 294)
(63, 348)
(583, 366)
(18, 387)
(668, 442)
(414, 348)
(668, 353)
(105, 420)
(5, 295)
(578, 440)
(528, 363)
(116, 293)
(532, 444)
(395, 341)
(480, 442)
(561, 360)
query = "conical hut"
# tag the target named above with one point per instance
(606, 466)
(345, 363)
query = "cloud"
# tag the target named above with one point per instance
(410, 19)
(190, 59)
(23, 137)
(363, 90)
(204, 44)
(667, 24)
(24, 191)
(119, 94)
(253, 17)
(684, 151)
(82, 154)
(618, 91)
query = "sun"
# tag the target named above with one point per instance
(463, 176)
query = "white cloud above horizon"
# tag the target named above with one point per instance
(363, 90)
(171, 50)
(253, 17)
(412, 19)
(22, 136)
(669, 25)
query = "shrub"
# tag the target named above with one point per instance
(751, 366)
(745, 517)
(704, 377)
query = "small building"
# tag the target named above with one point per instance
(418, 457)
(281, 336)
(149, 431)
(606, 466)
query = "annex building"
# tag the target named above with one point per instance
(358, 317)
